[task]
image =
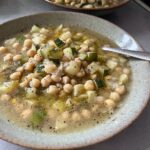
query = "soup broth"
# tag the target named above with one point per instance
(58, 79)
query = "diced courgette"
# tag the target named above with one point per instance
(101, 58)
(59, 105)
(82, 56)
(91, 96)
(59, 42)
(34, 29)
(47, 52)
(70, 52)
(39, 68)
(104, 71)
(78, 89)
(91, 56)
(99, 83)
(37, 117)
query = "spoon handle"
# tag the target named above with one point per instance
(135, 54)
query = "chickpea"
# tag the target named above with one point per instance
(118, 69)
(35, 83)
(3, 50)
(81, 73)
(68, 41)
(89, 42)
(89, 85)
(73, 81)
(67, 1)
(5, 97)
(114, 96)
(15, 76)
(75, 116)
(65, 115)
(86, 114)
(65, 79)
(29, 66)
(46, 81)
(31, 75)
(20, 69)
(38, 58)
(126, 71)
(68, 88)
(31, 53)
(52, 90)
(24, 84)
(24, 49)
(50, 68)
(100, 99)
(27, 43)
(72, 3)
(16, 46)
(59, 85)
(88, 6)
(56, 78)
(17, 57)
(121, 89)
(8, 57)
(110, 104)
(79, 35)
(92, 49)
(58, 1)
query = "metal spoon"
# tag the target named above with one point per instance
(136, 54)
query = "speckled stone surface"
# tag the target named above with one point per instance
(134, 137)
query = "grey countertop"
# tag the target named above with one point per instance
(135, 20)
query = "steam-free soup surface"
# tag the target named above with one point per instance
(58, 79)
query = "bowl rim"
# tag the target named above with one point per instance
(98, 139)
(88, 9)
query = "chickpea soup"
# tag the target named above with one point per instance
(88, 4)
(58, 79)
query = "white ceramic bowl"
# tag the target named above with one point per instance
(134, 102)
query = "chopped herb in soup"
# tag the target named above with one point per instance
(58, 78)
(88, 4)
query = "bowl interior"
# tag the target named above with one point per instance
(134, 102)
